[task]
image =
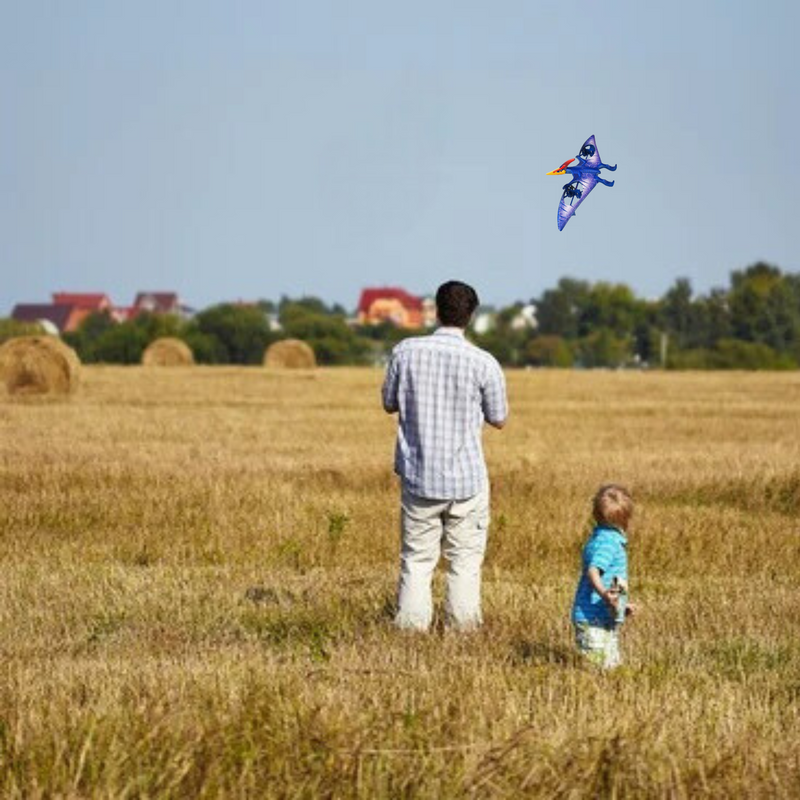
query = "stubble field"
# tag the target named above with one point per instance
(197, 571)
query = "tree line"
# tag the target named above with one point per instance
(754, 323)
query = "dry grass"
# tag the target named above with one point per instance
(196, 570)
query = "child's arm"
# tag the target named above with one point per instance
(609, 596)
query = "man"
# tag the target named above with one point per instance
(444, 388)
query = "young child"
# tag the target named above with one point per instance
(599, 607)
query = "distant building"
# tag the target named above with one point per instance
(96, 301)
(273, 321)
(154, 303)
(123, 313)
(69, 309)
(83, 304)
(390, 304)
(428, 312)
(52, 317)
(157, 303)
(484, 320)
(525, 318)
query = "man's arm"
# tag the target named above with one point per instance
(389, 391)
(493, 397)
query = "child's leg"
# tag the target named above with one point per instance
(613, 658)
(599, 645)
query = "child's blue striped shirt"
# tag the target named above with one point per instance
(607, 549)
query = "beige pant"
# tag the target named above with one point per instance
(429, 527)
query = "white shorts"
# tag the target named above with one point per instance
(599, 645)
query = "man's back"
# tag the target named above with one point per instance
(444, 388)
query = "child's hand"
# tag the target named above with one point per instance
(631, 610)
(611, 598)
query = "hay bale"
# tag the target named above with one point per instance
(290, 354)
(39, 365)
(167, 352)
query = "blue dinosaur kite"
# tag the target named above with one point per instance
(584, 178)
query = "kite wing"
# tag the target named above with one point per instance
(590, 146)
(568, 205)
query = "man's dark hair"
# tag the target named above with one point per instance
(455, 303)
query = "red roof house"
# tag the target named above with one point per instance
(62, 317)
(157, 302)
(96, 301)
(83, 303)
(390, 304)
(123, 313)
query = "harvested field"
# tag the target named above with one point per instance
(197, 569)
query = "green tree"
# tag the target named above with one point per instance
(499, 345)
(603, 348)
(611, 306)
(676, 312)
(561, 311)
(711, 319)
(333, 340)
(99, 339)
(732, 354)
(736, 354)
(647, 332)
(121, 344)
(506, 340)
(205, 347)
(95, 325)
(231, 334)
(11, 328)
(549, 351)
(310, 303)
(764, 307)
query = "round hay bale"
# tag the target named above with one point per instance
(167, 352)
(39, 365)
(290, 354)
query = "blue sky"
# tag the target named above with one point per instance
(252, 149)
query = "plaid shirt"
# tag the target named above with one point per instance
(444, 388)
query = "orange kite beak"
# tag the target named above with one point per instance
(561, 169)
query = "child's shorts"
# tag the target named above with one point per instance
(599, 645)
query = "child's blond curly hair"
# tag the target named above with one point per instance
(613, 505)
